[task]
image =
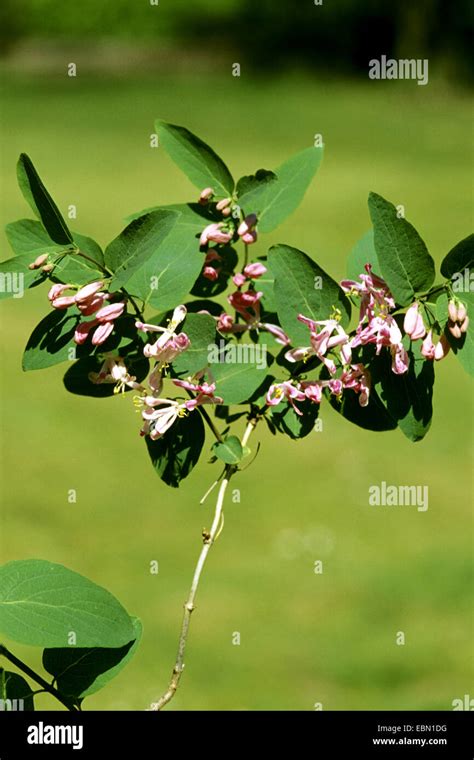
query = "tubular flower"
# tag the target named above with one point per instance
(113, 370)
(330, 335)
(169, 345)
(285, 390)
(216, 233)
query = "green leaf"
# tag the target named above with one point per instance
(80, 672)
(137, 245)
(252, 189)
(273, 200)
(408, 397)
(442, 314)
(168, 276)
(14, 687)
(196, 159)
(51, 342)
(230, 451)
(405, 263)
(176, 453)
(265, 284)
(287, 421)
(201, 331)
(77, 380)
(459, 258)
(41, 202)
(463, 347)
(237, 376)
(363, 253)
(29, 236)
(42, 603)
(16, 277)
(302, 287)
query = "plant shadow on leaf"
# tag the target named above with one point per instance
(176, 453)
(81, 671)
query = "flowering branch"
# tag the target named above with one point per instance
(209, 538)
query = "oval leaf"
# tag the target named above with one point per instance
(405, 263)
(302, 287)
(196, 159)
(42, 603)
(41, 202)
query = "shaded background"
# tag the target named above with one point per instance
(305, 638)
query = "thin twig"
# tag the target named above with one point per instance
(36, 677)
(209, 539)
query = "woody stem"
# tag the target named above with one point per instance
(209, 539)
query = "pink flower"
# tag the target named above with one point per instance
(239, 279)
(247, 225)
(56, 290)
(312, 390)
(276, 331)
(330, 335)
(159, 415)
(169, 345)
(413, 323)
(428, 347)
(113, 370)
(92, 305)
(216, 233)
(400, 361)
(205, 392)
(357, 378)
(210, 274)
(253, 271)
(211, 256)
(82, 331)
(286, 390)
(242, 302)
(374, 294)
(249, 237)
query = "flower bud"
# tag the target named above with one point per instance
(249, 222)
(454, 329)
(453, 311)
(39, 261)
(411, 317)
(110, 312)
(63, 302)
(88, 290)
(210, 273)
(442, 348)
(206, 195)
(223, 204)
(239, 279)
(253, 271)
(428, 347)
(249, 237)
(462, 312)
(47, 268)
(464, 325)
(102, 333)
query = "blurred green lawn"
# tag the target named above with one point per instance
(305, 638)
